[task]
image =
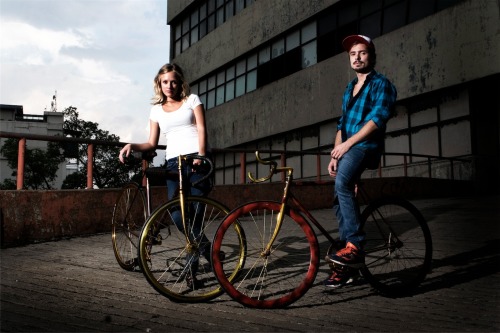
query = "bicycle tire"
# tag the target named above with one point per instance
(129, 216)
(398, 246)
(270, 281)
(166, 259)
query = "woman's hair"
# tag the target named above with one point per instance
(159, 97)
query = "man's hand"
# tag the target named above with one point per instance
(340, 149)
(332, 167)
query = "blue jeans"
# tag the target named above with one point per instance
(349, 169)
(194, 221)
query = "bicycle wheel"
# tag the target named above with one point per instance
(180, 271)
(129, 216)
(266, 280)
(398, 246)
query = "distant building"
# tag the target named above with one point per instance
(271, 75)
(13, 119)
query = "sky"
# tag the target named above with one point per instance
(99, 56)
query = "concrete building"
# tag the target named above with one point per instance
(271, 75)
(13, 119)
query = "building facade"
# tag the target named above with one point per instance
(272, 73)
(14, 120)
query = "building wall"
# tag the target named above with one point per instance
(436, 64)
(50, 124)
(453, 46)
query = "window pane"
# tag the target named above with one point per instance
(252, 61)
(327, 24)
(220, 78)
(229, 90)
(203, 11)
(194, 35)
(230, 73)
(420, 9)
(211, 82)
(229, 9)
(194, 89)
(264, 55)
(309, 56)
(220, 95)
(394, 17)
(370, 6)
(211, 23)
(240, 4)
(240, 67)
(203, 28)
(178, 47)
(240, 86)
(202, 86)
(278, 48)
(194, 18)
(185, 42)
(211, 99)
(203, 99)
(347, 15)
(309, 32)
(371, 25)
(293, 40)
(178, 31)
(211, 6)
(252, 81)
(220, 17)
(185, 25)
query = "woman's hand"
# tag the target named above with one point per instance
(125, 152)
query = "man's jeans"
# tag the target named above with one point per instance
(349, 169)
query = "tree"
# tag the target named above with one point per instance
(108, 172)
(40, 169)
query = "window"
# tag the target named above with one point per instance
(303, 46)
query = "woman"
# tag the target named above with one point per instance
(180, 116)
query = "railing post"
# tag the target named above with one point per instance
(283, 163)
(20, 163)
(318, 167)
(90, 171)
(429, 167)
(405, 163)
(243, 167)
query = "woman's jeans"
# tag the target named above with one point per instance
(349, 169)
(194, 222)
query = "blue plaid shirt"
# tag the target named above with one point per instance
(375, 102)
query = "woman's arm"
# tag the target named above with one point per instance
(152, 143)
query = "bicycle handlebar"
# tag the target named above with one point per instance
(173, 175)
(205, 160)
(274, 169)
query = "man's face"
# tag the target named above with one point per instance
(359, 57)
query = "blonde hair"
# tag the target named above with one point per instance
(159, 97)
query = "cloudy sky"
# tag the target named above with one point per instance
(100, 56)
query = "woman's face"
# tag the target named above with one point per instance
(170, 85)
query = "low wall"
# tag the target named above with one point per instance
(36, 216)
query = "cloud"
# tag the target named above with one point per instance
(100, 56)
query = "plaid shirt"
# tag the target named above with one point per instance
(375, 102)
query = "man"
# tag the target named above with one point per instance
(366, 107)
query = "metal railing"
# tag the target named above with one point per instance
(241, 164)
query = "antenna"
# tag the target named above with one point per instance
(53, 104)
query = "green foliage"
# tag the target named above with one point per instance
(40, 169)
(108, 172)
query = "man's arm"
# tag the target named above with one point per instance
(342, 147)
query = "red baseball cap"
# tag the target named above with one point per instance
(350, 40)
